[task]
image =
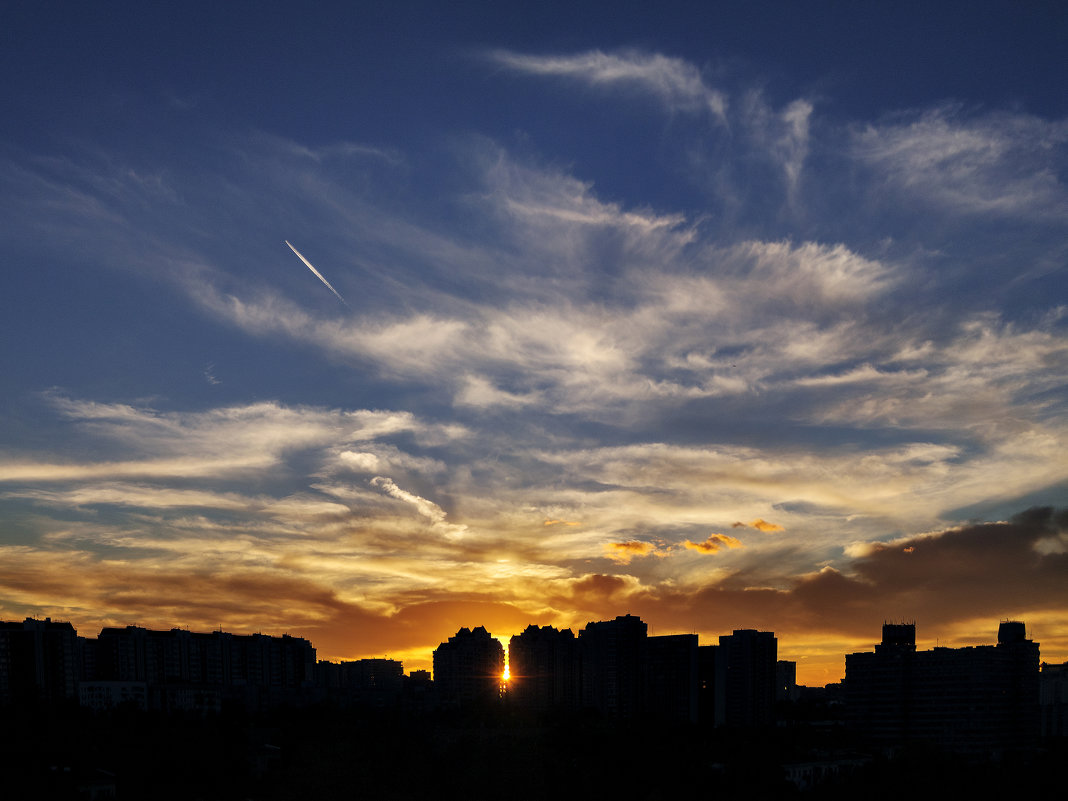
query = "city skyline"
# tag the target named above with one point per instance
(367, 324)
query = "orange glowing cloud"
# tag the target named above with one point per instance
(625, 551)
(715, 542)
(561, 523)
(760, 525)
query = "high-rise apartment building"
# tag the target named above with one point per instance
(38, 662)
(469, 668)
(745, 679)
(544, 669)
(613, 665)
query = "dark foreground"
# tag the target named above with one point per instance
(328, 754)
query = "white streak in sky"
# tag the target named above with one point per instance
(318, 274)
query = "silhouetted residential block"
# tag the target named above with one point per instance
(195, 671)
(418, 696)
(367, 682)
(613, 665)
(707, 658)
(469, 668)
(672, 677)
(38, 662)
(982, 698)
(1053, 699)
(786, 681)
(544, 669)
(879, 686)
(745, 679)
(385, 675)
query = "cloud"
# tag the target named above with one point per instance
(479, 391)
(792, 145)
(15, 471)
(760, 134)
(625, 551)
(380, 457)
(759, 525)
(779, 137)
(937, 579)
(991, 164)
(428, 509)
(714, 543)
(223, 441)
(360, 461)
(580, 355)
(675, 82)
(135, 495)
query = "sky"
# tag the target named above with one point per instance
(363, 322)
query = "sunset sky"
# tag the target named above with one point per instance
(727, 315)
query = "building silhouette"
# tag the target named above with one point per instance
(196, 671)
(672, 677)
(976, 699)
(983, 699)
(613, 667)
(39, 662)
(745, 679)
(613, 657)
(544, 670)
(786, 681)
(1053, 699)
(363, 682)
(469, 668)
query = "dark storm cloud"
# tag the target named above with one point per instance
(991, 570)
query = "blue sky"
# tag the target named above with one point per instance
(727, 315)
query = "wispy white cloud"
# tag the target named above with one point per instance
(993, 163)
(428, 509)
(233, 439)
(675, 82)
(783, 135)
(480, 391)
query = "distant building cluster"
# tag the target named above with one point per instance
(617, 669)
(984, 698)
(162, 670)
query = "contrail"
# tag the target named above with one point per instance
(318, 274)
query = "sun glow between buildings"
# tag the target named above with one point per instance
(506, 674)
